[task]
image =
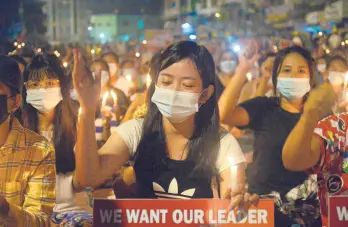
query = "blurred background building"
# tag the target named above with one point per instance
(140, 21)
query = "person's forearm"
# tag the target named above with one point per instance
(230, 96)
(262, 88)
(298, 154)
(86, 153)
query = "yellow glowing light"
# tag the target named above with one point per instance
(92, 51)
(249, 76)
(15, 43)
(137, 54)
(343, 43)
(23, 44)
(320, 34)
(148, 80)
(346, 41)
(65, 64)
(217, 15)
(105, 96)
(19, 46)
(144, 42)
(129, 77)
(327, 51)
(39, 50)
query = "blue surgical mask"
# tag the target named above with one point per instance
(293, 88)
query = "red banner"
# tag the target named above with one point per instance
(183, 213)
(338, 211)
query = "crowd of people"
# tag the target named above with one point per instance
(172, 128)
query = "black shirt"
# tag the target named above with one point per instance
(271, 125)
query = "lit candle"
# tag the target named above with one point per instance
(249, 76)
(148, 80)
(105, 96)
(129, 77)
(233, 171)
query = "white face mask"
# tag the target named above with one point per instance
(44, 100)
(176, 106)
(73, 95)
(112, 68)
(228, 66)
(321, 68)
(336, 78)
(293, 88)
(104, 77)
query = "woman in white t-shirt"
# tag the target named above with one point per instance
(49, 111)
(179, 148)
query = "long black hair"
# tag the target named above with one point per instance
(204, 144)
(66, 112)
(280, 57)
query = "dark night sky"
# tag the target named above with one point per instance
(126, 6)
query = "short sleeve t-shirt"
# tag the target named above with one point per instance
(271, 125)
(174, 180)
(332, 168)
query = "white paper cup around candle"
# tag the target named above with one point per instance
(233, 171)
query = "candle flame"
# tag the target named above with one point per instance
(148, 80)
(105, 96)
(249, 76)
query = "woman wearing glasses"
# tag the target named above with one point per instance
(46, 106)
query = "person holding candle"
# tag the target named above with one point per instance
(179, 148)
(112, 106)
(48, 110)
(138, 108)
(271, 120)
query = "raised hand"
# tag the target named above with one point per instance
(320, 102)
(87, 88)
(249, 56)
